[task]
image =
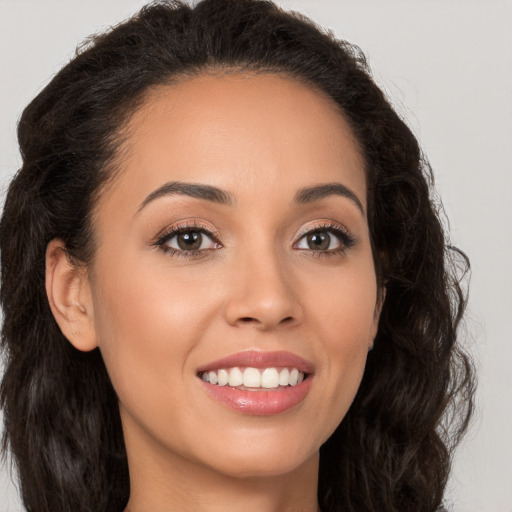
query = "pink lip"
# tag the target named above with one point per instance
(257, 359)
(260, 402)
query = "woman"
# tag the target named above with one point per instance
(224, 282)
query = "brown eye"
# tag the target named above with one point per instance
(320, 241)
(190, 240)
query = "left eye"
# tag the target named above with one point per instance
(191, 240)
(319, 241)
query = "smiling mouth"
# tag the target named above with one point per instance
(258, 383)
(254, 379)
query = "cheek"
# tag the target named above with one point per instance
(343, 304)
(147, 324)
(344, 320)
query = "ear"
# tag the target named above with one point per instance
(381, 297)
(69, 294)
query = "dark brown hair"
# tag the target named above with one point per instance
(392, 451)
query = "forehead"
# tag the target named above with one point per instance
(242, 131)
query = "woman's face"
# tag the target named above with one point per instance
(233, 247)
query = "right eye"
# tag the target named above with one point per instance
(190, 240)
(187, 241)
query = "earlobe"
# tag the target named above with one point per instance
(69, 295)
(378, 308)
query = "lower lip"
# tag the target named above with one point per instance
(259, 403)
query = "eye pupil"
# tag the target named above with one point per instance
(190, 240)
(319, 241)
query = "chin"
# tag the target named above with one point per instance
(265, 466)
(255, 458)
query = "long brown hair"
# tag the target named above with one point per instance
(393, 449)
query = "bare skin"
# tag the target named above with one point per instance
(282, 264)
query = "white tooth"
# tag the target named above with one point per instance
(294, 377)
(284, 377)
(235, 377)
(222, 377)
(252, 378)
(270, 378)
(213, 377)
(301, 378)
(205, 377)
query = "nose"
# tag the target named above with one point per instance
(263, 294)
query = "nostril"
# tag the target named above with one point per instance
(248, 319)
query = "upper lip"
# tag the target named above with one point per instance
(257, 359)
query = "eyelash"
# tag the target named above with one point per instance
(346, 240)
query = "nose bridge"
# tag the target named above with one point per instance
(263, 291)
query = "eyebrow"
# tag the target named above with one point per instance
(216, 195)
(198, 191)
(311, 194)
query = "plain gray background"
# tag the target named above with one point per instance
(447, 66)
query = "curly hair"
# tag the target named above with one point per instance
(392, 451)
